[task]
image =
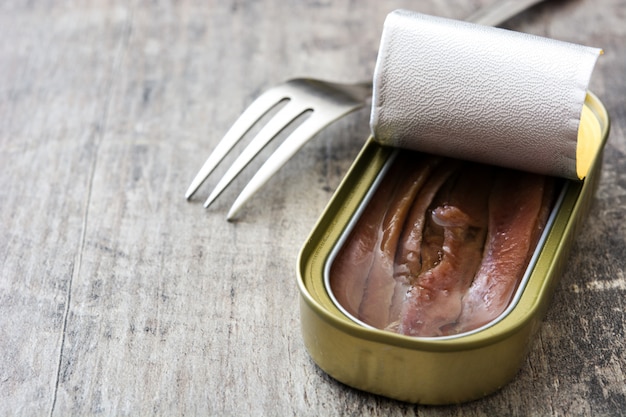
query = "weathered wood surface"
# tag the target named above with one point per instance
(118, 297)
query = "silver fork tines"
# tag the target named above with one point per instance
(326, 102)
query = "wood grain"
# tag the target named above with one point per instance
(119, 297)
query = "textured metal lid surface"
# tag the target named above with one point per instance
(480, 93)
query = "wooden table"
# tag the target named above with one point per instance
(119, 297)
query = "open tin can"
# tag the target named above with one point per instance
(433, 370)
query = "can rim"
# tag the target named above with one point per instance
(518, 317)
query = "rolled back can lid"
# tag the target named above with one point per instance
(484, 94)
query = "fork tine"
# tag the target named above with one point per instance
(298, 138)
(259, 107)
(273, 127)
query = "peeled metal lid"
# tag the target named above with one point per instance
(481, 93)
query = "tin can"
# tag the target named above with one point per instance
(436, 370)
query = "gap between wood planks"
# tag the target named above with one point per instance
(98, 134)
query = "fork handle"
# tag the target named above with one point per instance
(500, 11)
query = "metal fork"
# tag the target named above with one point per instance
(326, 102)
